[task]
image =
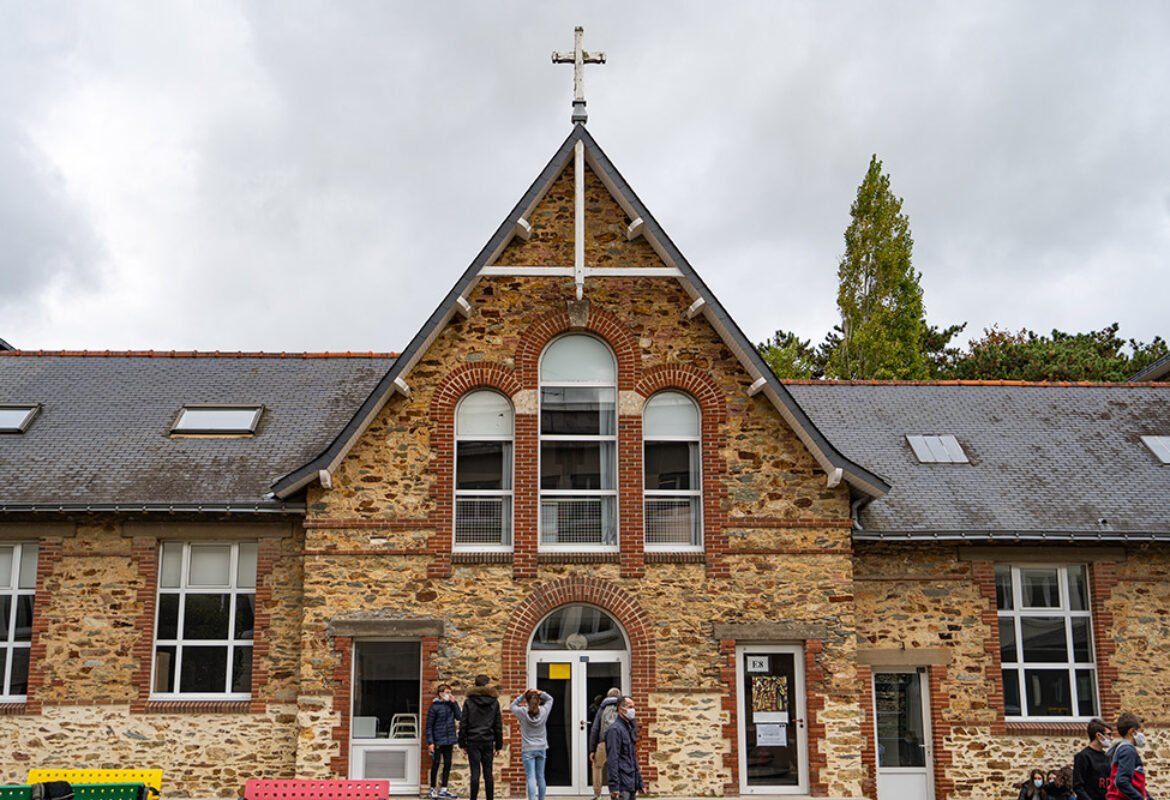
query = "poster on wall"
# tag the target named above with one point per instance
(771, 735)
(769, 699)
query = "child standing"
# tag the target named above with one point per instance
(441, 738)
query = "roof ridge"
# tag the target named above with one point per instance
(1044, 384)
(194, 354)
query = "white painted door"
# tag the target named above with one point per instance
(574, 679)
(901, 713)
(773, 739)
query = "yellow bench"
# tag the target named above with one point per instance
(151, 777)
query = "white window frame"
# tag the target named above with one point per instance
(358, 748)
(31, 410)
(231, 642)
(178, 428)
(14, 591)
(1065, 611)
(456, 494)
(570, 493)
(695, 493)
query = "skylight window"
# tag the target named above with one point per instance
(937, 449)
(15, 418)
(1159, 446)
(222, 420)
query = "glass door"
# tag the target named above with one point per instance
(773, 755)
(901, 714)
(385, 730)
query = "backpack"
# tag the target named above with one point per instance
(608, 717)
(51, 790)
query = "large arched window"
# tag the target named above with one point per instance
(578, 444)
(483, 471)
(671, 435)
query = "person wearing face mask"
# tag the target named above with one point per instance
(1091, 765)
(441, 737)
(1059, 784)
(1033, 788)
(1127, 777)
(621, 753)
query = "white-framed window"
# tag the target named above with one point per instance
(1046, 642)
(18, 583)
(672, 473)
(483, 471)
(578, 445)
(203, 627)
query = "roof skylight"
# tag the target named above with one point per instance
(937, 449)
(223, 420)
(16, 417)
(1159, 446)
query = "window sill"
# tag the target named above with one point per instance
(569, 557)
(675, 557)
(1021, 728)
(13, 708)
(481, 557)
(198, 706)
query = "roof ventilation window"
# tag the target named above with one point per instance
(16, 417)
(1159, 446)
(213, 420)
(937, 449)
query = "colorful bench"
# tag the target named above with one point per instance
(256, 789)
(82, 791)
(150, 777)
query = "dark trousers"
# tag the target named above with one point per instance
(479, 756)
(442, 751)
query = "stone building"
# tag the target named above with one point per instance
(578, 474)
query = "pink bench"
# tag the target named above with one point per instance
(316, 790)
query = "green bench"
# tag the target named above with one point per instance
(83, 791)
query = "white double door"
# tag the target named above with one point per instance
(901, 705)
(575, 679)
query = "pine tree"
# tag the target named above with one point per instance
(883, 319)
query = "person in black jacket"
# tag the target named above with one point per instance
(621, 753)
(441, 737)
(1091, 765)
(481, 734)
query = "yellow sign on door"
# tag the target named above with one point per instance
(560, 672)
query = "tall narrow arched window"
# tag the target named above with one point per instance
(578, 444)
(483, 471)
(671, 435)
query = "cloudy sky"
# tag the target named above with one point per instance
(289, 175)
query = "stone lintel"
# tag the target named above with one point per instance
(16, 531)
(897, 657)
(376, 627)
(770, 631)
(208, 531)
(1040, 555)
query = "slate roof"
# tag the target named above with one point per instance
(1158, 371)
(101, 437)
(1047, 461)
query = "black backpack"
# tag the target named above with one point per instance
(51, 790)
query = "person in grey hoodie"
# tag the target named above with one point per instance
(532, 709)
(606, 715)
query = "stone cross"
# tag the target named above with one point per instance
(578, 58)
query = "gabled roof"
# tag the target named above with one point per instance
(101, 439)
(1159, 370)
(1047, 461)
(828, 456)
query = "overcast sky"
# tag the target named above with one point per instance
(315, 176)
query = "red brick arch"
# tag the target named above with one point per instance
(599, 322)
(691, 380)
(608, 597)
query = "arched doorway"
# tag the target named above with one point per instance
(576, 654)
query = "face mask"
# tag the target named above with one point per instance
(630, 713)
(1106, 742)
(1139, 739)
(1037, 783)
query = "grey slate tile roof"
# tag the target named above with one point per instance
(1046, 460)
(1158, 371)
(101, 437)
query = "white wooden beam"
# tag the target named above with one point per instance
(522, 229)
(532, 272)
(834, 478)
(579, 226)
(635, 229)
(326, 479)
(694, 309)
(757, 386)
(463, 307)
(402, 386)
(633, 272)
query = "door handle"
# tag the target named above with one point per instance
(800, 722)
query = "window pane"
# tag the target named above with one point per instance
(28, 566)
(3, 663)
(204, 670)
(1078, 590)
(24, 612)
(898, 707)
(578, 627)
(1082, 641)
(670, 414)
(242, 669)
(1048, 693)
(228, 420)
(1007, 641)
(18, 682)
(164, 669)
(484, 413)
(1086, 693)
(5, 567)
(246, 565)
(483, 520)
(1003, 588)
(483, 465)
(206, 617)
(576, 465)
(245, 611)
(168, 616)
(576, 411)
(1011, 693)
(170, 571)
(672, 521)
(387, 686)
(210, 565)
(1044, 639)
(1039, 587)
(578, 520)
(671, 465)
(5, 616)
(577, 359)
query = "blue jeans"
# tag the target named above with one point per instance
(534, 772)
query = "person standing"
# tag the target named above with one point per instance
(1091, 765)
(605, 716)
(621, 753)
(481, 734)
(441, 738)
(1033, 788)
(532, 709)
(1127, 776)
